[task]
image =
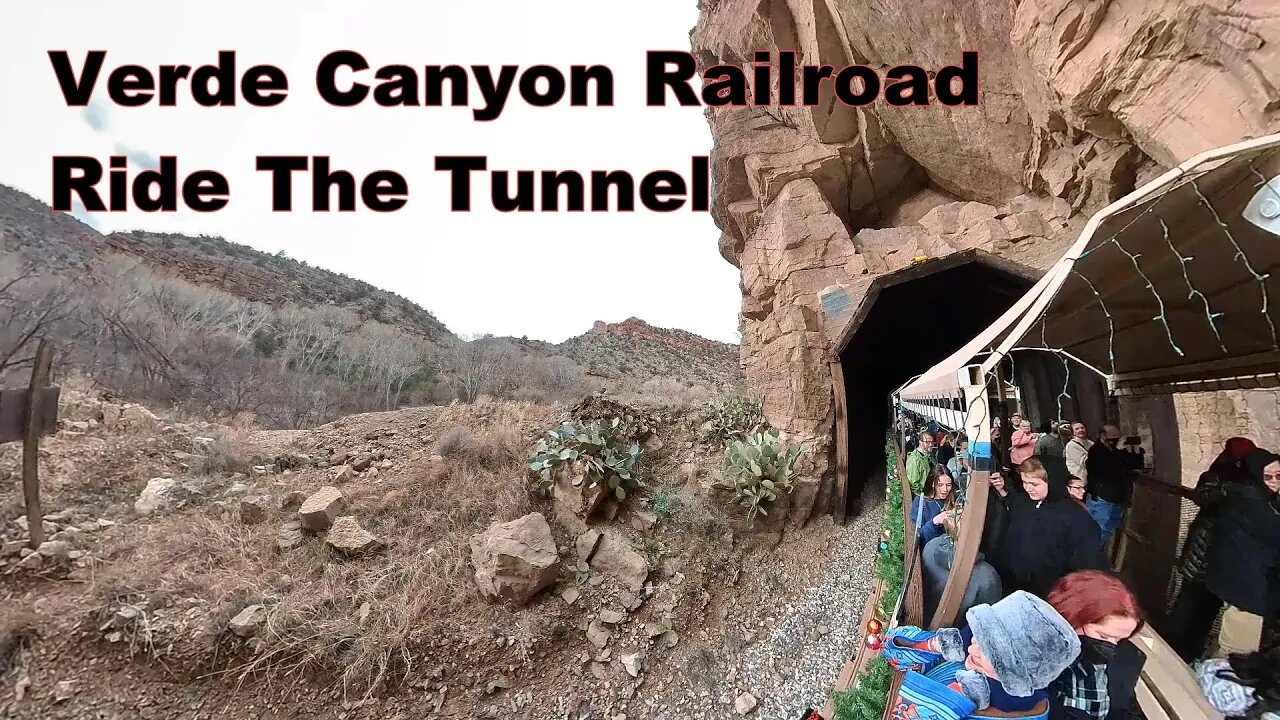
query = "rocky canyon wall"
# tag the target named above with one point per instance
(1080, 101)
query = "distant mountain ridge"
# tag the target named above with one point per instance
(633, 348)
(60, 244)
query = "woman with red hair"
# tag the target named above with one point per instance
(1100, 683)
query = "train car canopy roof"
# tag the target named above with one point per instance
(1173, 288)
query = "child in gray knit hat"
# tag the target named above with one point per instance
(1012, 650)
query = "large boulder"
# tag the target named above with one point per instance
(159, 494)
(321, 509)
(616, 558)
(348, 538)
(515, 560)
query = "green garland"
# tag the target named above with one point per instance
(867, 698)
(889, 562)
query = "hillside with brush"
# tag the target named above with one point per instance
(637, 350)
(214, 329)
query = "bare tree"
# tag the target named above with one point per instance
(31, 306)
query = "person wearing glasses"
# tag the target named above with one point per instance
(1244, 556)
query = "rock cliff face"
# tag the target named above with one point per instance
(1080, 101)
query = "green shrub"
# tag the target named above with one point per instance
(664, 503)
(730, 418)
(757, 470)
(608, 455)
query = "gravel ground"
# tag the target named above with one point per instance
(799, 664)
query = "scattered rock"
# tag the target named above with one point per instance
(159, 494)
(611, 617)
(362, 462)
(248, 620)
(254, 509)
(289, 535)
(597, 634)
(64, 691)
(344, 474)
(570, 596)
(643, 519)
(587, 543)
(34, 561)
(320, 510)
(515, 560)
(386, 465)
(138, 417)
(631, 661)
(54, 549)
(347, 537)
(616, 558)
(745, 703)
(293, 500)
(599, 670)
(13, 547)
(502, 682)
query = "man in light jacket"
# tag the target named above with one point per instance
(1077, 451)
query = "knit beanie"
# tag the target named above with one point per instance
(1028, 643)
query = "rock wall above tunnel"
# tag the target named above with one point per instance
(1080, 101)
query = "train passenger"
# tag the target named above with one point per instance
(1002, 661)
(934, 504)
(1110, 477)
(1077, 489)
(997, 520)
(1048, 535)
(1100, 684)
(1243, 563)
(920, 462)
(1243, 685)
(999, 449)
(1023, 443)
(1051, 441)
(946, 449)
(1077, 451)
(935, 562)
(961, 465)
(1195, 609)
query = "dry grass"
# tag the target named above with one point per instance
(454, 441)
(359, 619)
(230, 452)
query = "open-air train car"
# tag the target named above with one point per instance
(1173, 288)
(952, 403)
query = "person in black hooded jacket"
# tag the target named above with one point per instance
(1046, 534)
(1243, 568)
(1191, 618)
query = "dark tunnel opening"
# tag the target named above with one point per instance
(920, 316)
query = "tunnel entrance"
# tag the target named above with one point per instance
(910, 320)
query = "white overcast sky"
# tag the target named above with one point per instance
(548, 276)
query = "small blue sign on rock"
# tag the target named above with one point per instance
(835, 303)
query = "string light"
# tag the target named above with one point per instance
(1192, 291)
(1244, 259)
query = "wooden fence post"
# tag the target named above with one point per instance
(31, 444)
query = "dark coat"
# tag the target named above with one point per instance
(1043, 541)
(1210, 492)
(1245, 551)
(1122, 680)
(1111, 473)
